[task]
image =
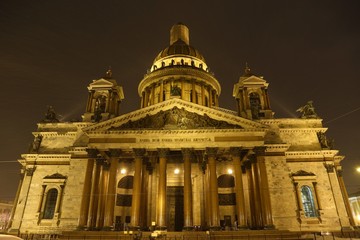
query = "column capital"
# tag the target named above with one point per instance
(100, 161)
(114, 152)
(30, 171)
(236, 151)
(139, 152)
(92, 152)
(163, 152)
(211, 151)
(187, 151)
(260, 150)
(329, 168)
(252, 157)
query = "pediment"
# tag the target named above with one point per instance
(101, 83)
(303, 173)
(175, 118)
(55, 176)
(254, 79)
(175, 114)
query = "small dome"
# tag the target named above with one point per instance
(180, 48)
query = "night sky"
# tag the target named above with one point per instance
(51, 50)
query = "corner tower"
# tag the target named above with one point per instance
(251, 94)
(105, 96)
(179, 71)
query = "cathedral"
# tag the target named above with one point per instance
(181, 162)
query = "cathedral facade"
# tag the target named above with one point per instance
(181, 162)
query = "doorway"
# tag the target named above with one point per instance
(175, 208)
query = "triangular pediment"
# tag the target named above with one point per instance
(102, 82)
(254, 79)
(175, 114)
(175, 118)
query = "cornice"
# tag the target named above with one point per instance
(46, 159)
(54, 134)
(294, 130)
(174, 132)
(276, 147)
(311, 154)
(279, 121)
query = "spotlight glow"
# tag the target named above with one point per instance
(123, 171)
(230, 171)
(177, 171)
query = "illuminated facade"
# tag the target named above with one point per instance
(180, 161)
(354, 200)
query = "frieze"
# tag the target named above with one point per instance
(175, 118)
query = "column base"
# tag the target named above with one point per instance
(269, 227)
(82, 228)
(108, 228)
(242, 228)
(188, 228)
(215, 228)
(161, 228)
(134, 228)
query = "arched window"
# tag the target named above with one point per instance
(126, 182)
(255, 105)
(308, 202)
(50, 204)
(226, 181)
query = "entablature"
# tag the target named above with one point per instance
(176, 139)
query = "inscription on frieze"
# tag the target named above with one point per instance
(175, 140)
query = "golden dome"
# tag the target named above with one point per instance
(180, 48)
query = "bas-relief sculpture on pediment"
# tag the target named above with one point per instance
(175, 118)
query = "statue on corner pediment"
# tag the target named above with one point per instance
(325, 142)
(307, 111)
(51, 116)
(35, 146)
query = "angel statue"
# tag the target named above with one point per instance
(307, 111)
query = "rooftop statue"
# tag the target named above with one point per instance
(308, 111)
(50, 115)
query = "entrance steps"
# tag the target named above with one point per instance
(199, 235)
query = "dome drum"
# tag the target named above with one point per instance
(184, 61)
